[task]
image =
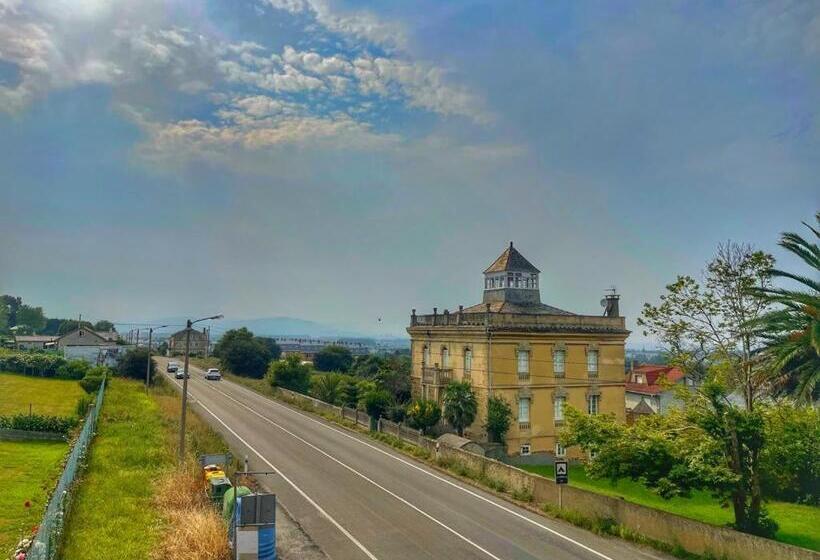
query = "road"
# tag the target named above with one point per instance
(359, 499)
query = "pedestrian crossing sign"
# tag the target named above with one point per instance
(561, 472)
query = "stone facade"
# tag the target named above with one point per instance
(520, 349)
(198, 344)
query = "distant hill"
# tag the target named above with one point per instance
(281, 326)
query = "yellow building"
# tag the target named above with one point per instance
(539, 358)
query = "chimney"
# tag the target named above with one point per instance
(611, 305)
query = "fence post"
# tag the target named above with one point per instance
(379, 424)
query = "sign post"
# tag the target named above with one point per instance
(561, 478)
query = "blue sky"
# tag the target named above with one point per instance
(344, 161)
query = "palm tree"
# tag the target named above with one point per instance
(460, 405)
(327, 387)
(792, 331)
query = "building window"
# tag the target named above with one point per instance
(525, 449)
(468, 360)
(593, 404)
(559, 358)
(523, 411)
(558, 408)
(510, 280)
(592, 362)
(560, 451)
(425, 357)
(523, 364)
(445, 357)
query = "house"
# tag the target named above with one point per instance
(537, 357)
(198, 345)
(307, 348)
(650, 388)
(82, 337)
(34, 342)
(91, 346)
(111, 336)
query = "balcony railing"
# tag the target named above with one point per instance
(523, 426)
(436, 376)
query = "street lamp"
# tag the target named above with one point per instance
(148, 365)
(185, 383)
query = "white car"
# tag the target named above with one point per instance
(180, 373)
(213, 374)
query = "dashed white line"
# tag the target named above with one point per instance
(301, 492)
(428, 473)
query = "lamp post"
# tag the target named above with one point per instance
(185, 383)
(148, 365)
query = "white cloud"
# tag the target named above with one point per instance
(360, 24)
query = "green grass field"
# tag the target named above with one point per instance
(47, 396)
(798, 523)
(29, 470)
(112, 515)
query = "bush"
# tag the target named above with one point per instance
(75, 369)
(499, 418)
(791, 457)
(423, 415)
(132, 365)
(83, 405)
(30, 363)
(327, 387)
(91, 384)
(38, 423)
(333, 358)
(396, 413)
(376, 403)
(290, 373)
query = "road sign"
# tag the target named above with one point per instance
(561, 472)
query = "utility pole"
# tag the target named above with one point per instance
(185, 383)
(148, 365)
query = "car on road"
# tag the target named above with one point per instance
(213, 374)
(172, 367)
(180, 373)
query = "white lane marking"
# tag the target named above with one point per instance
(344, 531)
(365, 477)
(428, 473)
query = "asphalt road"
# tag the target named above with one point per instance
(358, 499)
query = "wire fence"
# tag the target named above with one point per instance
(47, 541)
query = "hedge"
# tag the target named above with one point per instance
(38, 423)
(31, 363)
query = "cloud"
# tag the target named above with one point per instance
(361, 25)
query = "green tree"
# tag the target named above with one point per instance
(423, 415)
(229, 338)
(104, 326)
(4, 317)
(376, 404)
(272, 346)
(460, 405)
(132, 364)
(31, 317)
(709, 328)
(368, 366)
(248, 358)
(72, 324)
(349, 393)
(333, 358)
(791, 459)
(792, 330)
(12, 304)
(290, 373)
(396, 381)
(327, 387)
(499, 419)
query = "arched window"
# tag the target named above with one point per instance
(425, 356)
(445, 357)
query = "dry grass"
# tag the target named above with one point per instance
(195, 530)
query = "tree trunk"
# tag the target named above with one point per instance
(739, 493)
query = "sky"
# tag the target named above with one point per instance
(345, 161)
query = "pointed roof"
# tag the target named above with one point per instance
(511, 259)
(643, 407)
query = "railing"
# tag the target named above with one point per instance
(524, 426)
(436, 375)
(47, 540)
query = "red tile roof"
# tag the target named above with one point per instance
(656, 377)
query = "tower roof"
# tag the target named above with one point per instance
(511, 259)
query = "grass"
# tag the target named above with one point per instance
(47, 396)
(798, 523)
(29, 470)
(121, 507)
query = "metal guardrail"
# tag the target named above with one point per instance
(47, 540)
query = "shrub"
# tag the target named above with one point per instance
(38, 423)
(247, 358)
(376, 403)
(91, 384)
(290, 373)
(74, 369)
(423, 415)
(83, 404)
(397, 413)
(460, 405)
(132, 364)
(326, 387)
(30, 363)
(791, 457)
(499, 418)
